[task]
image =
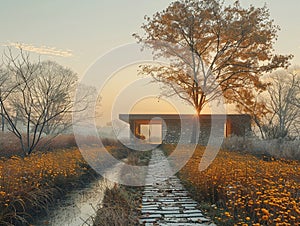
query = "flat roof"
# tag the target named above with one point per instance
(128, 117)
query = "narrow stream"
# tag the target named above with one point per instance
(79, 206)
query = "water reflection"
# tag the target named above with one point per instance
(79, 207)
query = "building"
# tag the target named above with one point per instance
(175, 127)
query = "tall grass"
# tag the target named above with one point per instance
(10, 145)
(270, 148)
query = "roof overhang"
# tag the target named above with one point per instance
(156, 117)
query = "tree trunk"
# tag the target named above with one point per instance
(259, 127)
(2, 119)
(195, 133)
(193, 138)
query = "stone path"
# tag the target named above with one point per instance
(167, 202)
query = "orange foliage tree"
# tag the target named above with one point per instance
(213, 50)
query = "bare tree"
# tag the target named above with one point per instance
(7, 87)
(40, 96)
(284, 95)
(256, 108)
(57, 84)
(87, 105)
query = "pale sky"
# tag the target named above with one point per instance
(75, 33)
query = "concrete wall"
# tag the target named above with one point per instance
(238, 125)
(175, 127)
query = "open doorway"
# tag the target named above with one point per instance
(152, 133)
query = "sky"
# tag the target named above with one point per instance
(76, 33)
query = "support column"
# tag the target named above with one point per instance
(132, 134)
(137, 129)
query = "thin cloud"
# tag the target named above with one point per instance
(43, 50)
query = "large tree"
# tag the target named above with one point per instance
(213, 49)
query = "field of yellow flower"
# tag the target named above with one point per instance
(29, 183)
(245, 190)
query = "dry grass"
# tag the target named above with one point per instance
(10, 145)
(118, 208)
(246, 190)
(27, 185)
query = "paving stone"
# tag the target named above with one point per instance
(149, 207)
(169, 212)
(149, 210)
(189, 204)
(146, 220)
(201, 219)
(150, 216)
(162, 212)
(181, 224)
(183, 215)
(170, 208)
(192, 211)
